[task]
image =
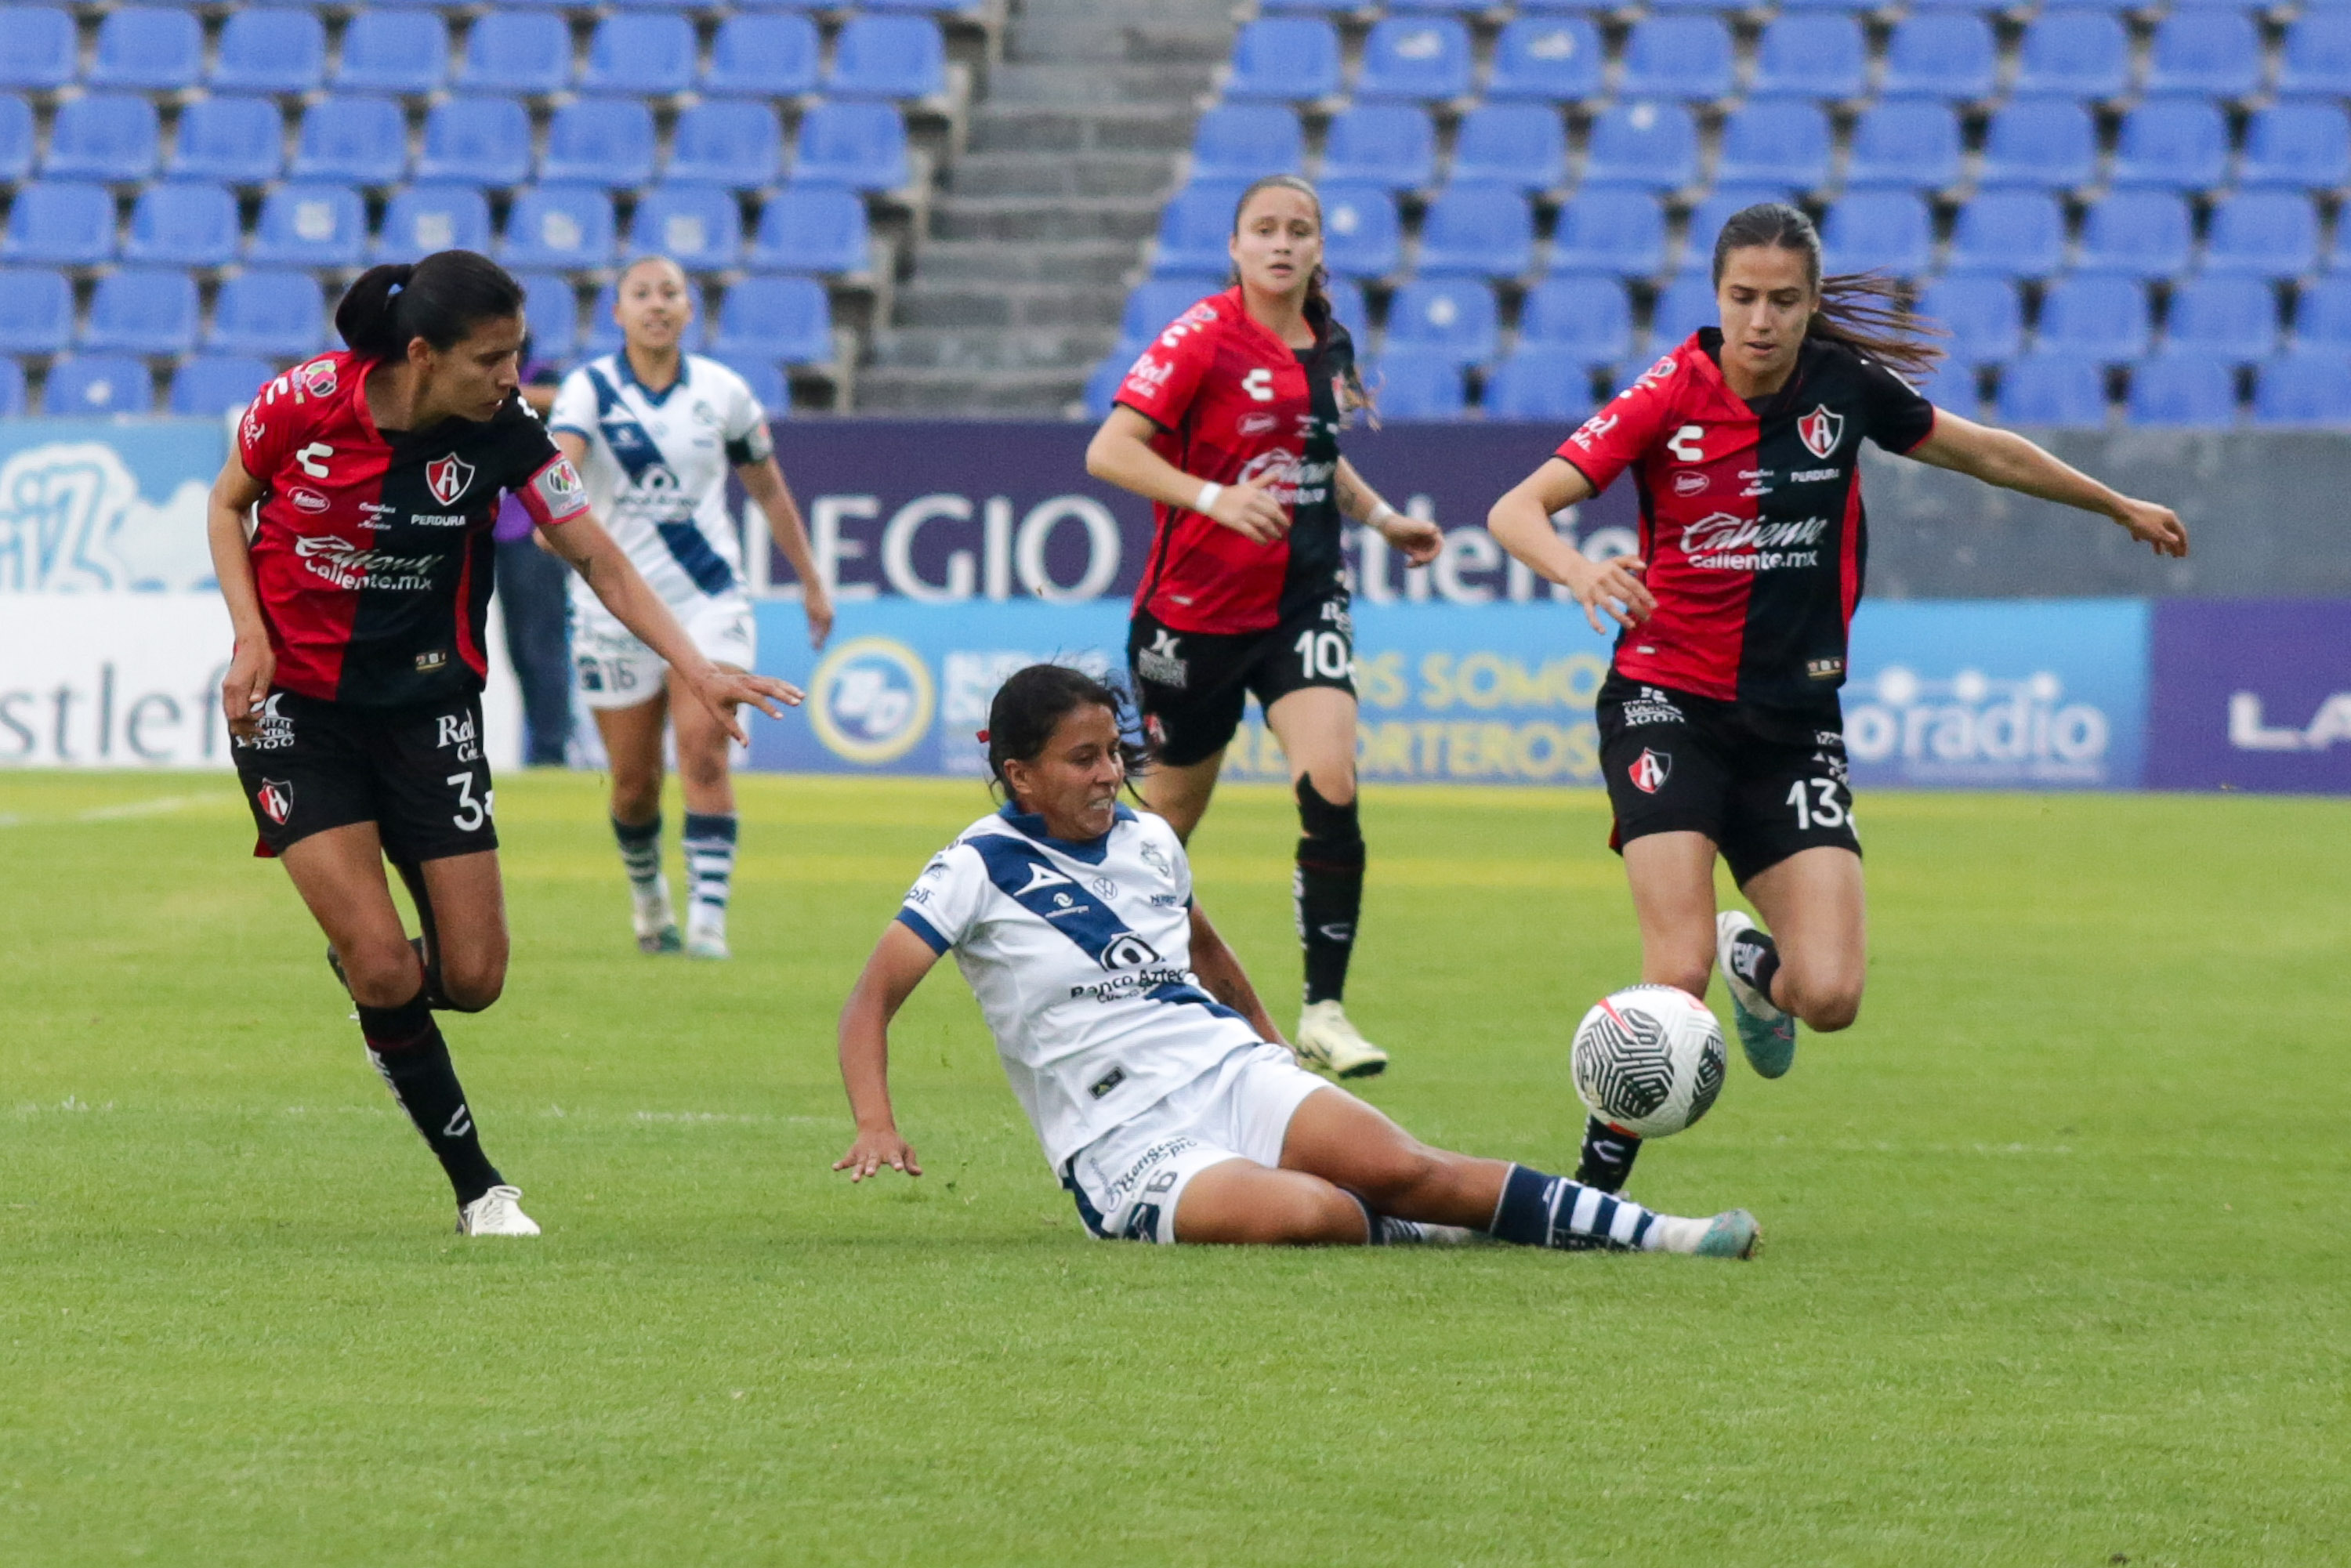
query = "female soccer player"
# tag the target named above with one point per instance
(1719, 725)
(354, 696)
(1161, 1092)
(1229, 424)
(655, 431)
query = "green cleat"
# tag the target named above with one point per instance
(1731, 1234)
(1765, 1033)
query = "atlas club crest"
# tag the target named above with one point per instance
(447, 479)
(275, 799)
(1820, 431)
(1651, 770)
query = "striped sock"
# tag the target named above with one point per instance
(640, 853)
(1538, 1211)
(709, 844)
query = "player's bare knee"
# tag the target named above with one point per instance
(1335, 785)
(1408, 1181)
(381, 974)
(474, 981)
(1833, 1010)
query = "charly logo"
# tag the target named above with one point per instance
(870, 700)
(1974, 727)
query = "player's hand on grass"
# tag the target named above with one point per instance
(874, 1148)
(2158, 527)
(1250, 512)
(1613, 587)
(818, 604)
(247, 686)
(1419, 537)
(723, 690)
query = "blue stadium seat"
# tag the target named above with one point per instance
(2173, 144)
(1684, 305)
(1706, 220)
(861, 145)
(763, 57)
(2262, 234)
(606, 141)
(1941, 53)
(737, 145)
(1585, 316)
(765, 378)
(237, 140)
(888, 56)
(1416, 386)
(2138, 234)
(36, 310)
(2299, 144)
(1418, 57)
(1522, 145)
(424, 218)
(2314, 63)
(1454, 317)
(1102, 384)
(183, 223)
(2322, 316)
(2074, 52)
(1833, 4)
(394, 52)
(271, 48)
(1286, 58)
(2206, 51)
(98, 384)
(1158, 301)
(1781, 140)
(479, 141)
(213, 385)
(2101, 318)
(1388, 144)
(527, 52)
(1811, 54)
(1243, 141)
(1361, 235)
(1313, 7)
(812, 228)
(60, 223)
(2052, 390)
(1347, 307)
(550, 315)
(786, 320)
(1643, 143)
(1620, 233)
(39, 51)
(2304, 388)
(1904, 143)
(1887, 231)
(636, 52)
(111, 136)
(1678, 57)
(148, 48)
(276, 315)
(2009, 234)
(700, 227)
(1540, 382)
(566, 228)
(2044, 143)
(142, 311)
(310, 226)
(12, 400)
(2182, 392)
(17, 139)
(1199, 219)
(1951, 386)
(1551, 58)
(2231, 318)
(1477, 231)
(354, 141)
(1982, 313)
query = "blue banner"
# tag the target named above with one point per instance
(93, 506)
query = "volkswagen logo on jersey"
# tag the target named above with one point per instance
(1821, 431)
(275, 799)
(1651, 770)
(447, 477)
(871, 701)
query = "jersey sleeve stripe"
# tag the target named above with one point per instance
(923, 929)
(570, 430)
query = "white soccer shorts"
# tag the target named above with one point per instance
(613, 670)
(1128, 1181)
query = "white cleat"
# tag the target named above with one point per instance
(1328, 1042)
(656, 925)
(706, 935)
(498, 1212)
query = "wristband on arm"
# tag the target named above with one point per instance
(1204, 502)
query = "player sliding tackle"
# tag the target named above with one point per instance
(1161, 1092)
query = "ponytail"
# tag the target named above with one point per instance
(1870, 312)
(440, 299)
(1353, 393)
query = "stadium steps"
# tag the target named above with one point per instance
(1029, 246)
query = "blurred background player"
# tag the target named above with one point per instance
(353, 695)
(1720, 729)
(536, 603)
(1228, 423)
(655, 431)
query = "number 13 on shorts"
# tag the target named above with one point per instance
(1817, 804)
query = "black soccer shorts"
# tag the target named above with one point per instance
(417, 772)
(1193, 686)
(1762, 783)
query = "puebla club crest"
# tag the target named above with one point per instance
(447, 477)
(1651, 770)
(1820, 431)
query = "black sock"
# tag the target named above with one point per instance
(1608, 1155)
(1755, 958)
(406, 1047)
(1328, 891)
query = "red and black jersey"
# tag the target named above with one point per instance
(374, 556)
(1751, 515)
(1234, 401)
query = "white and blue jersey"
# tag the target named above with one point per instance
(1080, 957)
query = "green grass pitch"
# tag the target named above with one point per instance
(2055, 1269)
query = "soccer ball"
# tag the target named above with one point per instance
(1649, 1060)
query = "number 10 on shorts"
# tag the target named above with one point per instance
(1323, 654)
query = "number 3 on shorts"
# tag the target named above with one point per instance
(471, 813)
(1826, 811)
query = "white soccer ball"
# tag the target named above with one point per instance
(1649, 1060)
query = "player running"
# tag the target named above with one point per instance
(655, 431)
(354, 696)
(1719, 725)
(1161, 1091)
(1230, 426)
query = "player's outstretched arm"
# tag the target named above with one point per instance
(251, 662)
(1221, 971)
(1120, 454)
(764, 482)
(2004, 458)
(1521, 522)
(900, 961)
